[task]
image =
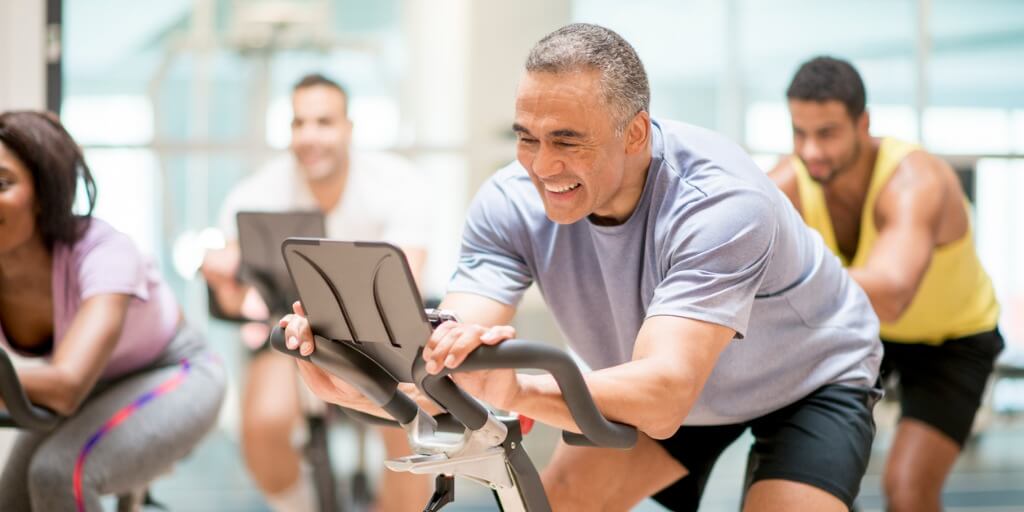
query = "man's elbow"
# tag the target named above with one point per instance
(666, 424)
(888, 315)
(890, 309)
(661, 432)
(671, 406)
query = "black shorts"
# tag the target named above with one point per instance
(942, 385)
(824, 440)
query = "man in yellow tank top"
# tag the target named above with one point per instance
(897, 218)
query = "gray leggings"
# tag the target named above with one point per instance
(184, 389)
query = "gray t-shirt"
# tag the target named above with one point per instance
(711, 239)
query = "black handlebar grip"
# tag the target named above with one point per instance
(466, 409)
(21, 413)
(277, 341)
(596, 428)
(356, 369)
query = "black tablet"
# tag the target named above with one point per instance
(260, 235)
(361, 294)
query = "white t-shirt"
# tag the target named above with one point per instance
(385, 198)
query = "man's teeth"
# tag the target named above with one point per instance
(552, 188)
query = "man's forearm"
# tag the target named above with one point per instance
(230, 295)
(642, 393)
(364, 404)
(888, 302)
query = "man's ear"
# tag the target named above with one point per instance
(864, 123)
(638, 132)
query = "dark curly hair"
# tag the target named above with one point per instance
(56, 163)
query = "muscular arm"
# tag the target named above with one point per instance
(908, 214)
(672, 359)
(477, 309)
(80, 357)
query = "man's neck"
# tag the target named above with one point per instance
(850, 188)
(327, 192)
(632, 191)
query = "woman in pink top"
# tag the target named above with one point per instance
(137, 387)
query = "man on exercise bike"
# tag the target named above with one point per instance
(362, 195)
(680, 274)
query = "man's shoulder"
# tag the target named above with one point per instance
(917, 161)
(920, 172)
(711, 208)
(734, 205)
(924, 184)
(688, 149)
(675, 126)
(513, 174)
(509, 194)
(511, 182)
(679, 133)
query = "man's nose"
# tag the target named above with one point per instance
(812, 150)
(547, 163)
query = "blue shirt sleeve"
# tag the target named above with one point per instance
(492, 259)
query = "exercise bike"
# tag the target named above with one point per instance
(369, 329)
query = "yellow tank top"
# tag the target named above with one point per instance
(955, 297)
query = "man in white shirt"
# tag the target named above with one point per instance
(364, 196)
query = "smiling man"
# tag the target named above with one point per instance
(680, 274)
(363, 196)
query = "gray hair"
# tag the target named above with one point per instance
(582, 46)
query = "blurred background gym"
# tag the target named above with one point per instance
(175, 101)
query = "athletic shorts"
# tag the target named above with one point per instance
(823, 440)
(942, 385)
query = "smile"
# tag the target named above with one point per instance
(562, 189)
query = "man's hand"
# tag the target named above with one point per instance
(297, 332)
(330, 388)
(452, 342)
(234, 299)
